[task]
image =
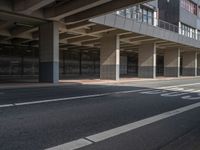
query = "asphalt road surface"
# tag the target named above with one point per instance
(145, 115)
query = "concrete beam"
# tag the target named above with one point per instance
(72, 7)
(98, 29)
(29, 6)
(95, 41)
(65, 36)
(80, 39)
(79, 25)
(112, 6)
(19, 29)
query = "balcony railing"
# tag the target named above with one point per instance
(167, 26)
(154, 21)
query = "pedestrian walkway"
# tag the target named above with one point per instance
(29, 84)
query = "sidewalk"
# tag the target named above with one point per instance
(83, 82)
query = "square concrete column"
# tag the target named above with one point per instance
(189, 63)
(110, 57)
(49, 53)
(172, 62)
(147, 61)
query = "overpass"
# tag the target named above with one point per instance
(55, 25)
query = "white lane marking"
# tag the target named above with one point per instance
(69, 98)
(152, 92)
(125, 128)
(6, 105)
(180, 85)
(72, 145)
(173, 94)
(191, 97)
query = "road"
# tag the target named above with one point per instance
(145, 115)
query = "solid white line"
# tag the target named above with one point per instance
(124, 129)
(72, 145)
(68, 98)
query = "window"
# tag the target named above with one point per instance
(189, 6)
(188, 31)
(143, 14)
(147, 15)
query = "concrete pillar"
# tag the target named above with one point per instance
(147, 61)
(110, 57)
(189, 63)
(172, 62)
(49, 53)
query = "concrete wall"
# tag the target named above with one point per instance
(188, 18)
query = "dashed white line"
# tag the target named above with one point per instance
(180, 85)
(69, 98)
(122, 129)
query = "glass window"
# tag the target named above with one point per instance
(144, 15)
(188, 31)
(189, 6)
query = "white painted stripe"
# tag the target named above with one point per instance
(69, 98)
(129, 127)
(178, 89)
(196, 91)
(71, 145)
(188, 90)
(6, 105)
(181, 85)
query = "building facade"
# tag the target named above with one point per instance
(83, 53)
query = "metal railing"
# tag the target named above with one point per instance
(167, 26)
(139, 17)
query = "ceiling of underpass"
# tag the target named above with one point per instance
(19, 21)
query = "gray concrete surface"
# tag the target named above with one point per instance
(45, 125)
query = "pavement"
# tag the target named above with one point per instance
(133, 115)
